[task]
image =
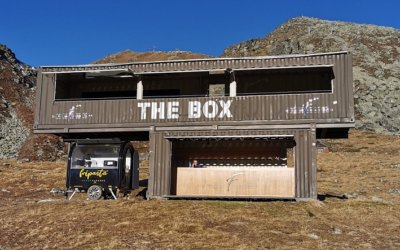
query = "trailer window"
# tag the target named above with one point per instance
(128, 160)
(284, 81)
(95, 156)
(94, 86)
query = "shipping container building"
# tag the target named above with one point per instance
(249, 125)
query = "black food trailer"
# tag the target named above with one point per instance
(102, 168)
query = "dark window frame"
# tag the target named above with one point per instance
(286, 72)
(122, 93)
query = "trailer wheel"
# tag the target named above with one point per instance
(94, 192)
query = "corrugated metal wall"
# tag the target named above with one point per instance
(160, 165)
(210, 64)
(244, 108)
(305, 158)
(306, 164)
(328, 108)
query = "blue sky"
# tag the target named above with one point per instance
(77, 32)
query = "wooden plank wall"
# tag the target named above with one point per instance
(228, 181)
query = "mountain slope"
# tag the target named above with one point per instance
(376, 61)
(131, 56)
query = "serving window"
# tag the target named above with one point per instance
(95, 156)
(233, 166)
(234, 152)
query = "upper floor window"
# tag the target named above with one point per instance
(89, 85)
(284, 81)
(184, 85)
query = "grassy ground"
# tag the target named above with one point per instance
(366, 168)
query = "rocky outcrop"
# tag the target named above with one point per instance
(376, 60)
(17, 94)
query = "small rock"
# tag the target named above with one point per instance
(395, 166)
(317, 203)
(4, 190)
(394, 191)
(56, 191)
(337, 230)
(46, 200)
(24, 160)
(6, 164)
(377, 199)
(351, 195)
(313, 236)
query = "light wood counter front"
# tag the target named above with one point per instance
(235, 181)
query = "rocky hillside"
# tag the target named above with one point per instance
(131, 56)
(16, 101)
(17, 94)
(376, 60)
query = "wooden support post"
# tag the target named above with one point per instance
(232, 85)
(313, 188)
(139, 89)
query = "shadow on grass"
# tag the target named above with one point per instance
(322, 197)
(225, 198)
(143, 184)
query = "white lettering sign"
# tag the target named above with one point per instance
(210, 109)
(170, 110)
(310, 107)
(194, 109)
(73, 114)
(225, 109)
(143, 111)
(157, 111)
(173, 110)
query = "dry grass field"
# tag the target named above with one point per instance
(365, 169)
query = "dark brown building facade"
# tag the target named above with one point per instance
(251, 123)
